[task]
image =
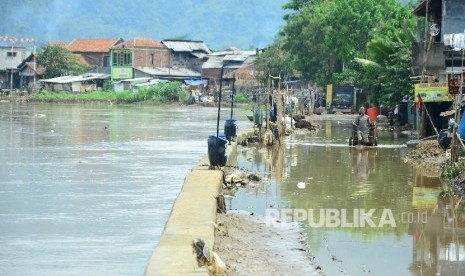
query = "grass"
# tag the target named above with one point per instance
(164, 92)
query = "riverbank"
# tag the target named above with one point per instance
(427, 157)
(250, 246)
(431, 160)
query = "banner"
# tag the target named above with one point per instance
(432, 92)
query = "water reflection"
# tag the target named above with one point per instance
(322, 172)
(437, 228)
(363, 163)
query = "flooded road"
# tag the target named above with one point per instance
(406, 230)
(87, 189)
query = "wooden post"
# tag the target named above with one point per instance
(267, 106)
(279, 102)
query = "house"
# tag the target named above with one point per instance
(229, 61)
(94, 51)
(29, 73)
(137, 53)
(188, 54)
(10, 58)
(246, 78)
(83, 83)
(435, 62)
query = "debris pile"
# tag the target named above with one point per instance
(301, 122)
(241, 177)
(427, 156)
(211, 260)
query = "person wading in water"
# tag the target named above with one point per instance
(362, 122)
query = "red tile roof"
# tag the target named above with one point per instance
(139, 42)
(93, 45)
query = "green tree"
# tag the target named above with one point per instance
(275, 62)
(59, 61)
(326, 36)
(387, 68)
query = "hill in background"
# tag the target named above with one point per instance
(220, 24)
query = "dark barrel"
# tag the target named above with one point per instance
(258, 117)
(230, 129)
(217, 150)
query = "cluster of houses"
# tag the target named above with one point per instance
(129, 64)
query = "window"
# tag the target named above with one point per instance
(11, 54)
(122, 58)
(106, 61)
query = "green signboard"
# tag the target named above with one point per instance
(121, 73)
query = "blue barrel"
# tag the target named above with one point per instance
(461, 127)
(217, 150)
(230, 129)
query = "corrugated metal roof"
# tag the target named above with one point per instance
(169, 72)
(186, 46)
(70, 79)
(229, 59)
(213, 62)
(199, 55)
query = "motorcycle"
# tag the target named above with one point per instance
(372, 136)
(445, 135)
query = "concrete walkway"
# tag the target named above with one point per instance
(191, 217)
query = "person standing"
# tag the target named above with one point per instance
(362, 122)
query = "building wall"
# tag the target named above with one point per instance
(186, 60)
(96, 58)
(152, 58)
(454, 17)
(7, 62)
(435, 60)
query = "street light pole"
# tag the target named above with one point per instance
(11, 65)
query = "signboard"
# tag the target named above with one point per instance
(432, 92)
(329, 94)
(121, 73)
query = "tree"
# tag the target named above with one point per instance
(387, 68)
(275, 62)
(325, 37)
(59, 61)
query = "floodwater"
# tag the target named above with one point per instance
(379, 216)
(87, 189)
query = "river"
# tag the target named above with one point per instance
(309, 174)
(87, 189)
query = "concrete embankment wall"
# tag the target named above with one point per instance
(191, 217)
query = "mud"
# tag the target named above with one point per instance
(250, 246)
(427, 157)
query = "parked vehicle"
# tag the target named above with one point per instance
(341, 99)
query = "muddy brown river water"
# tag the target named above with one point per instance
(379, 216)
(87, 189)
